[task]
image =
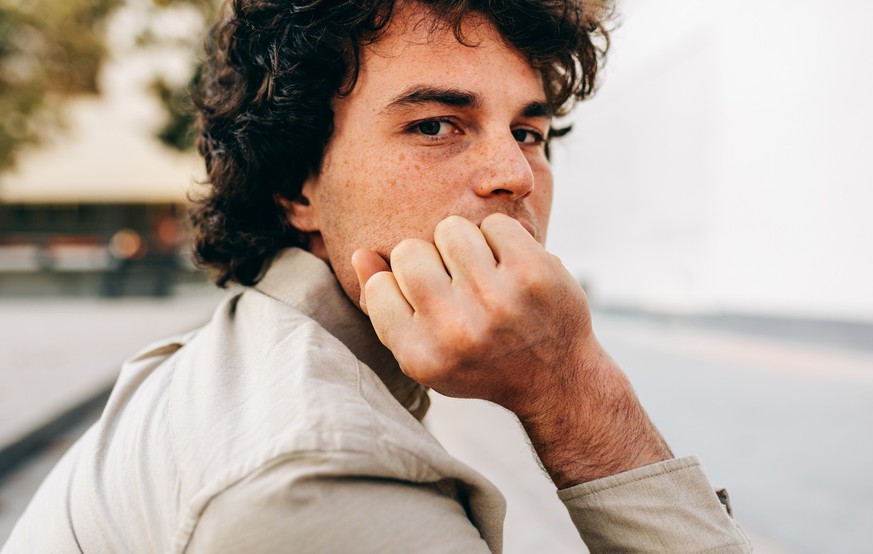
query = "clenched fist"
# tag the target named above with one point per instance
(485, 312)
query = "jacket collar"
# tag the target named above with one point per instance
(305, 282)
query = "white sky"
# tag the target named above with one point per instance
(727, 162)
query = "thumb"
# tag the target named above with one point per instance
(367, 263)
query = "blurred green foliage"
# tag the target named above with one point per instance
(47, 48)
(178, 130)
(52, 50)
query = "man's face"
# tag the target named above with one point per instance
(432, 128)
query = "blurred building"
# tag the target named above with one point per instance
(100, 207)
(723, 167)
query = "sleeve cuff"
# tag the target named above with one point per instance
(667, 506)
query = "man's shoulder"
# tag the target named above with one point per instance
(264, 382)
(273, 407)
(261, 390)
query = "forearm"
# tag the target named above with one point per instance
(593, 426)
(616, 475)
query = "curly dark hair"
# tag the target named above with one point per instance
(273, 69)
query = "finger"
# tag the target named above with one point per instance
(420, 273)
(367, 263)
(463, 249)
(389, 311)
(508, 239)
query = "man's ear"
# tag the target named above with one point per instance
(300, 212)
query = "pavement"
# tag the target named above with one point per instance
(784, 424)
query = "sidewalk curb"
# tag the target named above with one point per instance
(18, 452)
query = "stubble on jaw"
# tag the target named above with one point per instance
(420, 187)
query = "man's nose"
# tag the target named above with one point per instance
(505, 169)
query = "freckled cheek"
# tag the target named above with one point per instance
(411, 190)
(418, 181)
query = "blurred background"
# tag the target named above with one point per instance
(714, 199)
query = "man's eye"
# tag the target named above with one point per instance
(434, 128)
(526, 136)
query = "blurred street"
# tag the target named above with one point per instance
(58, 352)
(785, 426)
(721, 171)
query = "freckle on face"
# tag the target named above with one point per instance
(378, 186)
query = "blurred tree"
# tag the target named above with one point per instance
(47, 48)
(51, 50)
(178, 130)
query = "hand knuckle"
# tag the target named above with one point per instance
(460, 335)
(378, 280)
(450, 224)
(495, 220)
(535, 278)
(404, 250)
(502, 312)
(490, 220)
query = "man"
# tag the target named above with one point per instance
(401, 151)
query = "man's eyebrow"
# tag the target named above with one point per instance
(420, 94)
(537, 109)
(457, 98)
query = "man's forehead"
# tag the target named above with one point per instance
(417, 23)
(423, 58)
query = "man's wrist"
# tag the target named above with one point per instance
(593, 428)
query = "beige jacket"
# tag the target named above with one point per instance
(283, 425)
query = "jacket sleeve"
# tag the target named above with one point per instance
(665, 507)
(348, 514)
